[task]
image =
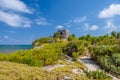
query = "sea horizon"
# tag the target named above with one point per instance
(13, 48)
(14, 44)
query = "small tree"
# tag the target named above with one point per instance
(70, 49)
(114, 34)
(56, 36)
(118, 35)
(40, 41)
(72, 37)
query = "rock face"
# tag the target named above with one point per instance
(63, 34)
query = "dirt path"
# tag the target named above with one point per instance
(92, 65)
(49, 68)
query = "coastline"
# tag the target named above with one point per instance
(13, 48)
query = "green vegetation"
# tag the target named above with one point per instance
(46, 55)
(76, 48)
(108, 58)
(72, 37)
(97, 75)
(103, 49)
(48, 40)
(53, 50)
(41, 41)
(15, 71)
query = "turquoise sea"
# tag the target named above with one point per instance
(13, 48)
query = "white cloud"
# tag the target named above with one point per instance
(79, 20)
(86, 26)
(93, 27)
(109, 27)
(41, 21)
(59, 27)
(6, 37)
(114, 9)
(68, 24)
(75, 21)
(14, 20)
(16, 5)
(8, 15)
(26, 23)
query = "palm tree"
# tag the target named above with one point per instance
(118, 35)
(114, 34)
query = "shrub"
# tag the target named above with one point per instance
(97, 75)
(46, 55)
(75, 49)
(108, 58)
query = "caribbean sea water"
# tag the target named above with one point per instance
(13, 48)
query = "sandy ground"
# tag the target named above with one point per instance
(49, 68)
(92, 65)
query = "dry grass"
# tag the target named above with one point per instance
(15, 71)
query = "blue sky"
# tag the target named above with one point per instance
(22, 21)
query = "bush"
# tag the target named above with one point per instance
(46, 55)
(76, 49)
(108, 58)
(97, 75)
(70, 49)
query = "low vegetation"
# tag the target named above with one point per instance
(29, 64)
(71, 70)
(76, 48)
(46, 55)
(97, 75)
(108, 58)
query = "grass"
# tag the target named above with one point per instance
(68, 71)
(15, 71)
